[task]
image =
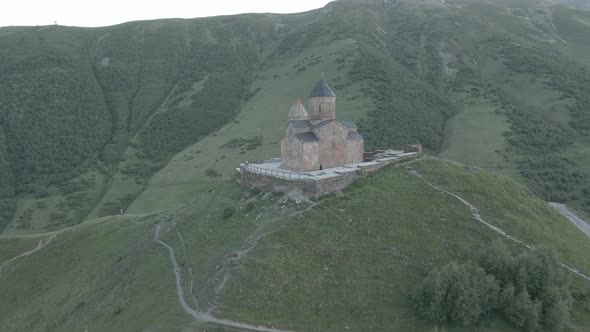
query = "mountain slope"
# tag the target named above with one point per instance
(76, 104)
(160, 86)
(132, 68)
(526, 135)
(151, 119)
(345, 261)
(133, 95)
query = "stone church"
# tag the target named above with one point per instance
(316, 140)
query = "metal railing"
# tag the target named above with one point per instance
(276, 173)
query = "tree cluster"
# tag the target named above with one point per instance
(530, 289)
(210, 108)
(53, 116)
(406, 110)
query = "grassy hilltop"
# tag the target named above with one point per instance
(153, 117)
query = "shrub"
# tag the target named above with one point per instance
(249, 207)
(228, 212)
(211, 172)
(251, 143)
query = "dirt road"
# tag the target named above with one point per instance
(577, 221)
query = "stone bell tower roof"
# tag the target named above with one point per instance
(298, 112)
(322, 89)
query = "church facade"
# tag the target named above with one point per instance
(317, 140)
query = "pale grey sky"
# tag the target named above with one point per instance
(108, 12)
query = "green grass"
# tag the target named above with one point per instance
(474, 136)
(113, 278)
(350, 261)
(108, 273)
(512, 207)
(14, 246)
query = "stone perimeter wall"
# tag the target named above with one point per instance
(307, 187)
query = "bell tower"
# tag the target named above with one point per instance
(322, 102)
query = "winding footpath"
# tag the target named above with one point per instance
(477, 215)
(196, 313)
(42, 243)
(40, 246)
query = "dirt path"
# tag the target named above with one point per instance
(571, 216)
(44, 242)
(202, 316)
(40, 246)
(477, 215)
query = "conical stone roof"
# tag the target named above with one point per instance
(298, 112)
(322, 89)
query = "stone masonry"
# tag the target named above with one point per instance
(316, 140)
(268, 175)
(319, 154)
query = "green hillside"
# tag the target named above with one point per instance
(113, 139)
(346, 261)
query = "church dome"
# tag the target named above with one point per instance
(298, 112)
(322, 89)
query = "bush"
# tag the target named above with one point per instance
(211, 172)
(249, 207)
(228, 212)
(251, 143)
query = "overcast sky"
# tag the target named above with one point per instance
(108, 12)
